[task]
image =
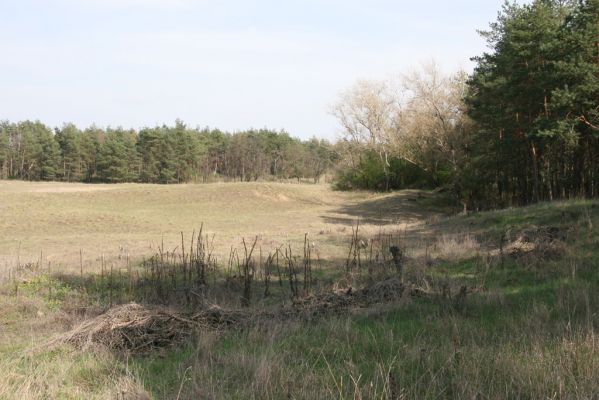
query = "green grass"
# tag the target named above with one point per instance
(494, 223)
(431, 351)
(532, 334)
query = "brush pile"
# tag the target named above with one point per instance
(540, 243)
(384, 291)
(137, 328)
(142, 328)
(339, 301)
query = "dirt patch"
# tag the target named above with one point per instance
(276, 197)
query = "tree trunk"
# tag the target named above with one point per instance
(535, 172)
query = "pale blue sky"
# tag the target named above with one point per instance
(231, 64)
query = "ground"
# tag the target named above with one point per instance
(57, 220)
(499, 304)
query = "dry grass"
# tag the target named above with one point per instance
(455, 247)
(48, 223)
(67, 374)
(55, 220)
(29, 320)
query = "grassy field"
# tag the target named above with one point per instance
(58, 219)
(504, 304)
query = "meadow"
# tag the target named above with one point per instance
(491, 305)
(57, 220)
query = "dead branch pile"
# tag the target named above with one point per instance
(540, 243)
(322, 303)
(384, 291)
(339, 301)
(139, 328)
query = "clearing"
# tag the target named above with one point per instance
(57, 220)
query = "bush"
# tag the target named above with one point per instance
(369, 174)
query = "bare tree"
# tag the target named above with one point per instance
(368, 112)
(436, 128)
(420, 118)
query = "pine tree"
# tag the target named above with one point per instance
(168, 160)
(148, 147)
(113, 157)
(68, 138)
(527, 148)
(90, 149)
(4, 149)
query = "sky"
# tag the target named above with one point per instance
(229, 64)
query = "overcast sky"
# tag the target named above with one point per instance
(230, 64)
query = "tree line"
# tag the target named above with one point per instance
(165, 154)
(535, 99)
(522, 128)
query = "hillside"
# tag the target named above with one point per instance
(60, 219)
